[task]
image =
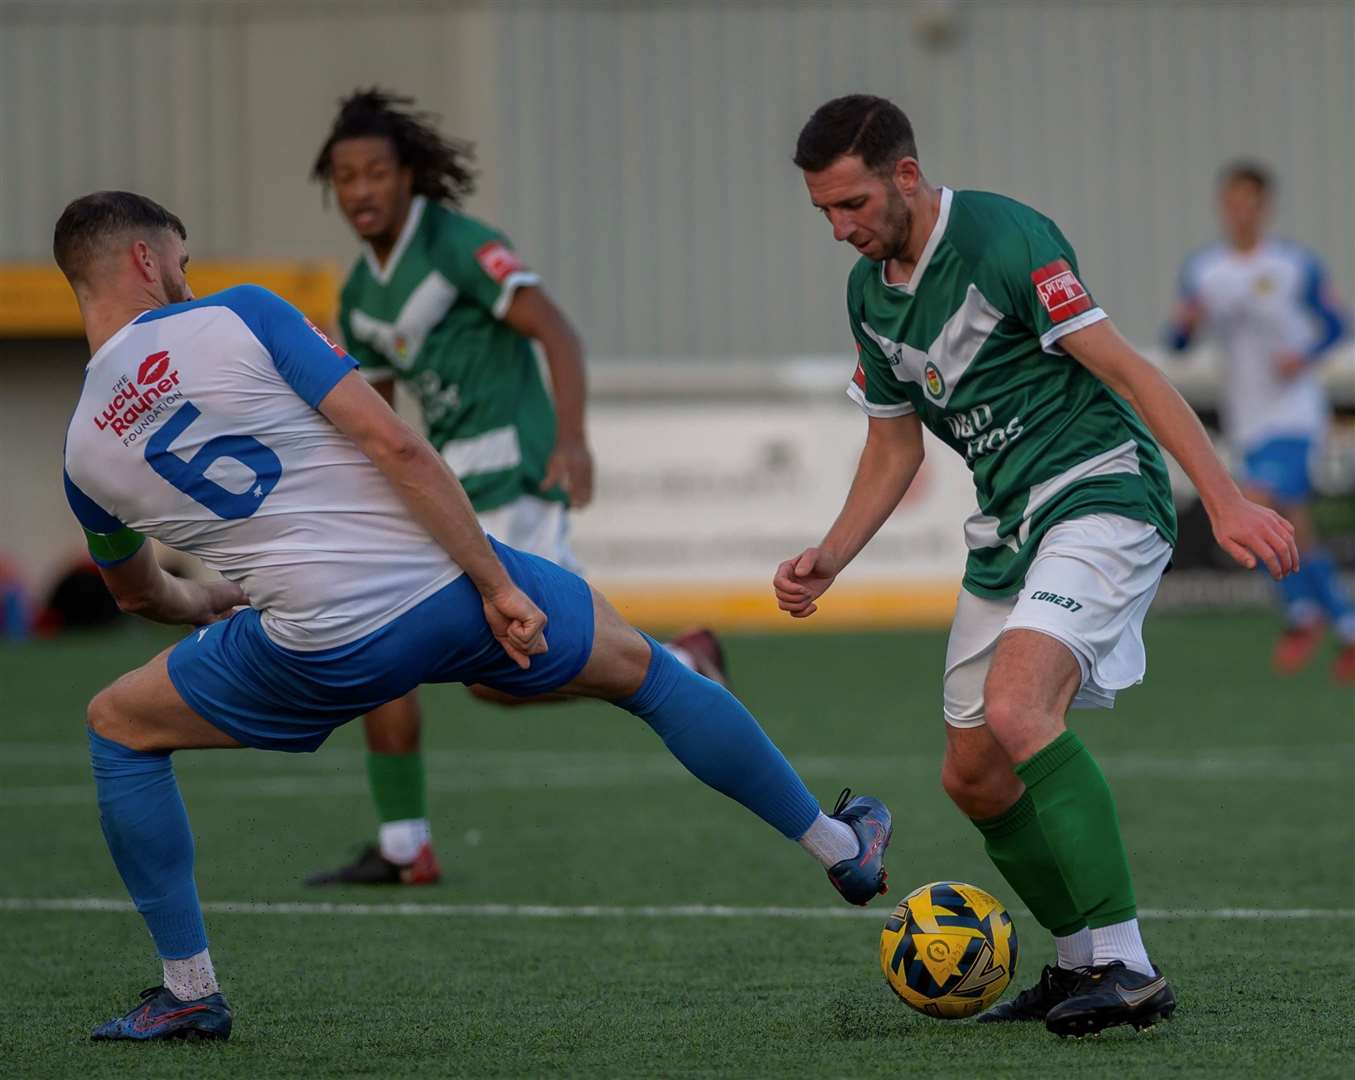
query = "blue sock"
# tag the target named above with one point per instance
(720, 743)
(1321, 570)
(146, 828)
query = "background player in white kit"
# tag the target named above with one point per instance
(232, 429)
(1275, 317)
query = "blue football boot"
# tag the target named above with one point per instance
(161, 1015)
(861, 878)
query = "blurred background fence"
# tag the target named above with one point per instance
(638, 154)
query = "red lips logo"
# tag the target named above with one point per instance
(153, 368)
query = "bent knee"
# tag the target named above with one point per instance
(108, 720)
(101, 715)
(980, 792)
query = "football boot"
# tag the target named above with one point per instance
(706, 652)
(1108, 995)
(373, 868)
(160, 1015)
(1034, 1003)
(862, 877)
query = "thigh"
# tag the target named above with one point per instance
(619, 660)
(144, 711)
(1030, 686)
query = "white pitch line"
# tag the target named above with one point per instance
(674, 911)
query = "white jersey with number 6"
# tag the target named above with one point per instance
(197, 425)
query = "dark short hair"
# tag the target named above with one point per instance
(89, 221)
(442, 167)
(1248, 171)
(872, 127)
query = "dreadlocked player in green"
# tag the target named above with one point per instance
(439, 301)
(970, 318)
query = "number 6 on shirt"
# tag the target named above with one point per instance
(190, 476)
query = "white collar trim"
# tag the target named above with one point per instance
(938, 230)
(383, 274)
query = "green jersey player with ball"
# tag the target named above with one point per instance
(971, 318)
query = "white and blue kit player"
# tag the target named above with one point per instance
(1269, 306)
(231, 429)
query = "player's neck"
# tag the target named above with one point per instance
(104, 316)
(382, 246)
(1245, 245)
(925, 216)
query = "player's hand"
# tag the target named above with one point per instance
(1252, 534)
(570, 467)
(800, 581)
(219, 601)
(518, 625)
(1290, 365)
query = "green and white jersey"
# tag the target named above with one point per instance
(970, 344)
(431, 317)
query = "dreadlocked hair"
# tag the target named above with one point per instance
(441, 166)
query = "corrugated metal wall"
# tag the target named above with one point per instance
(638, 152)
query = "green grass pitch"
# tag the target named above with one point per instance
(1235, 792)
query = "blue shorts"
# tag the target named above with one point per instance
(1281, 467)
(265, 696)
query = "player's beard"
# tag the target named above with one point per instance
(898, 226)
(176, 292)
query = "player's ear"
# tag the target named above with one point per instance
(144, 259)
(907, 176)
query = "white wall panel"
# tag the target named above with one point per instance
(638, 152)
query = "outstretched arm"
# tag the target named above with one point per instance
(533, 314)
(437, 501)
(891, 458)
(1244, 530)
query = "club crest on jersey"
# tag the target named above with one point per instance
(1060, 293)
(146, 396)
(497, 260)
(936, 386)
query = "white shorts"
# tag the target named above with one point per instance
(1089, 586)
(536, 526)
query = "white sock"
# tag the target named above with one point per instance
(191, 979)
(829, 841)
(1075, 949)
(681, 655)
(1121, 941)
(400, 841)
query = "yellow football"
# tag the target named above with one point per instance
(948, 950)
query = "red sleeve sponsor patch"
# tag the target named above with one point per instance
(497, 260)
(1061, 294)
(325, 337)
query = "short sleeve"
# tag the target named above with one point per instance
(873, 387)
(309, 362)
(1040, 282)
(481, 264)
(109, 540)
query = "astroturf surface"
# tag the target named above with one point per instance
(1235, 791)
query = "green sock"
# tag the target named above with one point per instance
(1077, 815)
(397, 783)
(1017, 845)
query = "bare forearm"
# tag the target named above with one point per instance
(882, 479)
(435, 499)
(168, 600)
(569, 384)
(1178, 429)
